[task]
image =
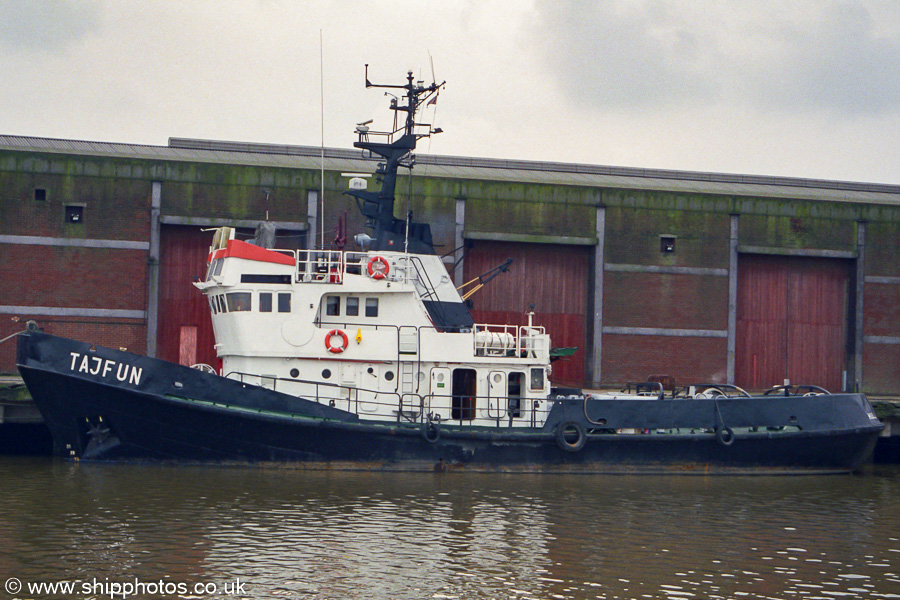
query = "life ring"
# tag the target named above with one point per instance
(563, 433)
(343, 345)
(725, 435)
(376, 271)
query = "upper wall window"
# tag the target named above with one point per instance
(371, 307)
(284, 302)
(332, 306)
(352, 306)
(40, 194)
(265, 302)
(537, 379)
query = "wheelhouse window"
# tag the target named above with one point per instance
(352, 306)
(265, 302)
(220, 300)
(332, 306)
(213, 304)
(215, 268)
(284, 302)
(238, 301)
(211, 269)
(371, 307)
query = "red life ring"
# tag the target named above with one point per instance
(378, 272)
(344, 341)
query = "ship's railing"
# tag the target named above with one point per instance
(410, 407)
(510, 340)
(320, 266)
(500, 411)
(330, 266)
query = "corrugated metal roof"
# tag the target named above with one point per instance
(488, 169)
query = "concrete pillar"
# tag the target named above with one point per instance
(732, 298)
(312, 217)
(595, 357)
(856, 384)
(459, 241)
(153, 269)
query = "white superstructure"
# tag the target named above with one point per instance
(352, 329)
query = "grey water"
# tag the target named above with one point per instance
(117, 531)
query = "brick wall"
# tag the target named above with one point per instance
(83, 276)
(113, 209)
(73, 277)
(130, 334)
(676, 301)
(687, 359)
(881, 369)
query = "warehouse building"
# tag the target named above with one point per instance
(705, 277)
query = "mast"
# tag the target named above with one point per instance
(395, 147)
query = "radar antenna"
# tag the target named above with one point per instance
(395, 147)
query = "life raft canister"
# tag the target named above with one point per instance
(339, 348)
(378, 267)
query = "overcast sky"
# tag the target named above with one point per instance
(800, 89)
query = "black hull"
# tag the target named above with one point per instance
(177, 413)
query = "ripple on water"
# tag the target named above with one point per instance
(298, 534)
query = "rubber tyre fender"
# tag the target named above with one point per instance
(724, 435)
(431, 432)
(564, 443)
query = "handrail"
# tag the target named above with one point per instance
(719, 387)
(648, 385)
(426, 280)
(354, 391)
(787, 389)
(424, 406)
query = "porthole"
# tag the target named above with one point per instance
(389, 375)
(326, 373)
(295, 373)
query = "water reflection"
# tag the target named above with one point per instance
(297, 534)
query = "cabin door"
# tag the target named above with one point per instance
(439, 396)
(496, 394)
(464, 393)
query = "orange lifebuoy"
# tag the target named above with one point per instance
(378, 267)
(343, 344)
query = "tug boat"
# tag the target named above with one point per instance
(369, 359)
